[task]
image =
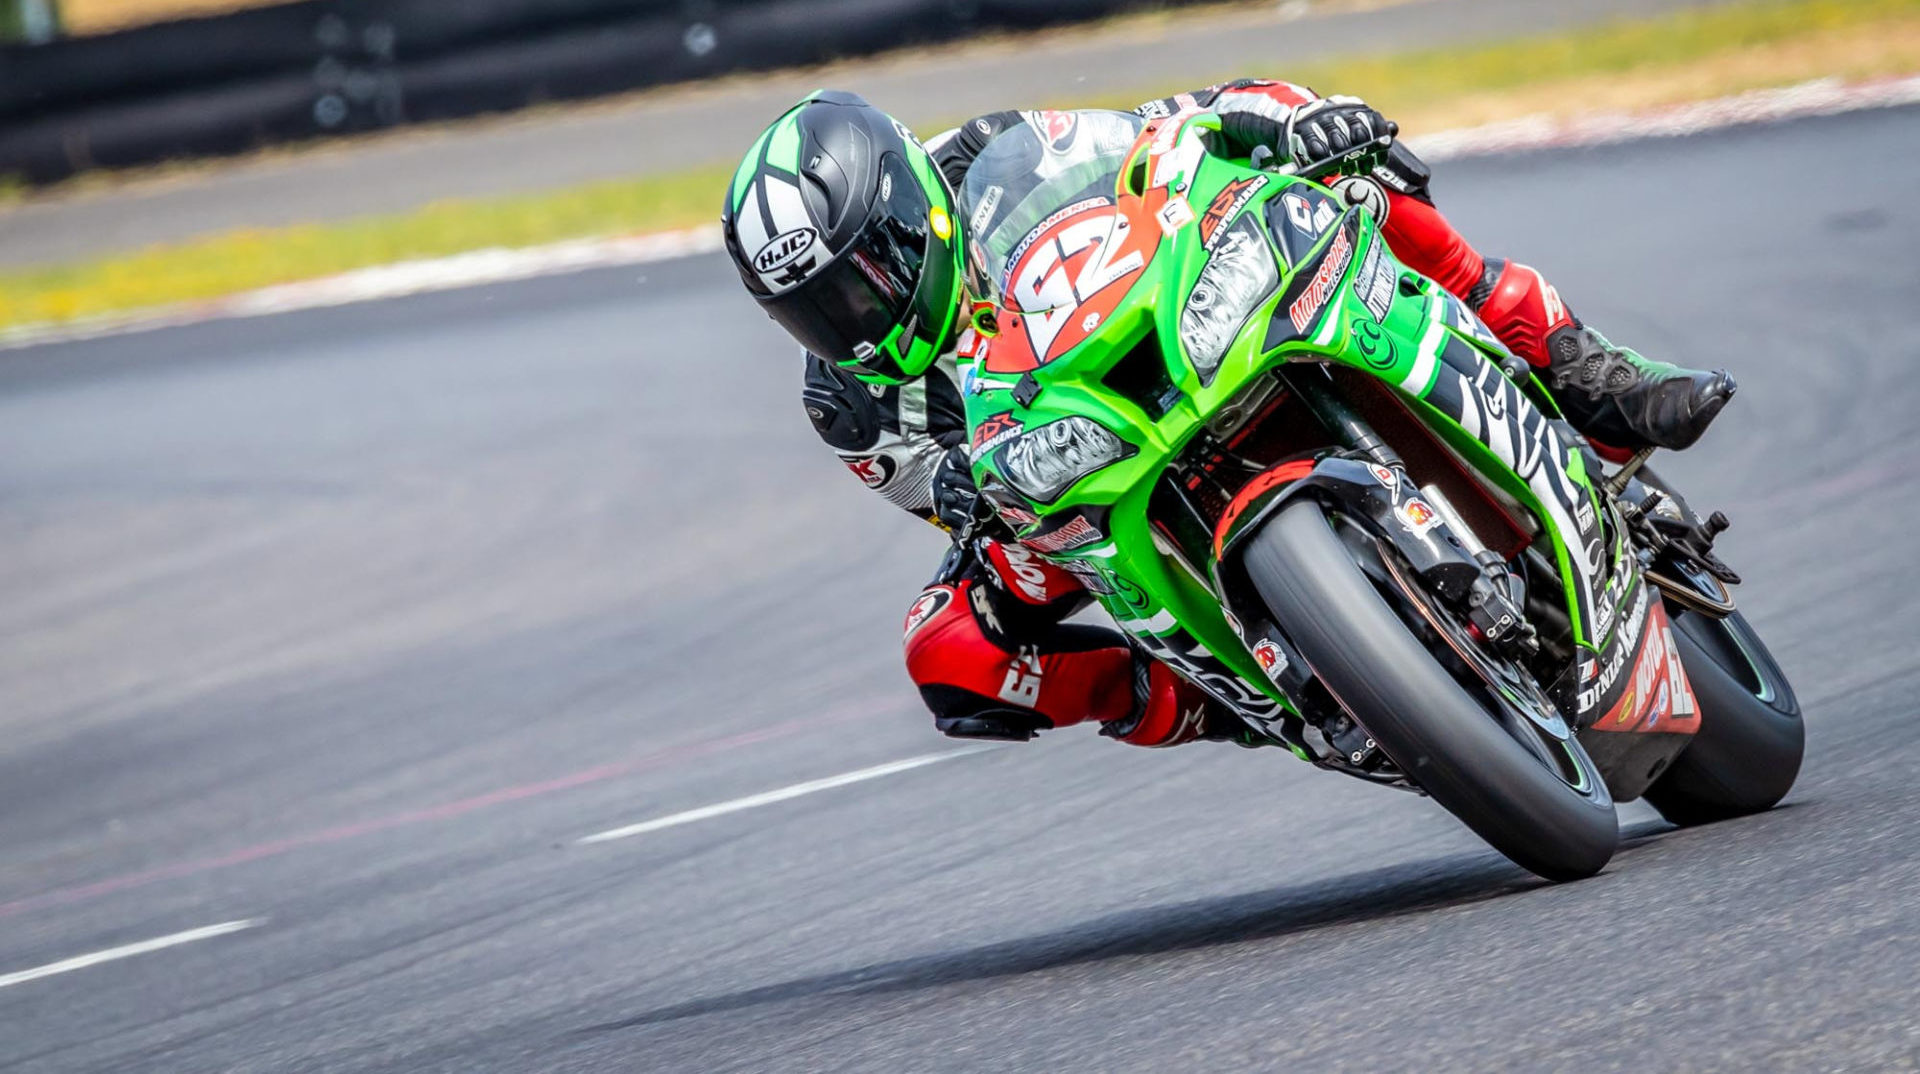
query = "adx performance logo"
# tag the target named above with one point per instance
(1226, 206)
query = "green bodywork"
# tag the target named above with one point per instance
(1425, 335)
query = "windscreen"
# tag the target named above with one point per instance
(1029, 179)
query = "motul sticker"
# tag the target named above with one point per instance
(1272, 660)
(1419, 516)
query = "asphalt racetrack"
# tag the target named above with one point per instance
(342, 629)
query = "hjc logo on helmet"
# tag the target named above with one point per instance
(784, 248)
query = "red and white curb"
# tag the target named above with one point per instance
(1822, 97)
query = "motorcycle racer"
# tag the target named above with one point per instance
(842, 227)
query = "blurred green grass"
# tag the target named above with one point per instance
(1686, 55)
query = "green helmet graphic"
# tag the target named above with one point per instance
(842, 229)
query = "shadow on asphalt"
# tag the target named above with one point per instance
(1373, 895)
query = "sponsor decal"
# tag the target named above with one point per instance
(1366, 193)
(784, 249)
(1385, 475)
(1022, 684)
(1083, 264)
(995, 430)
(1272, 660)
(989, 203)
(1057, 129)
(1556, 310)
(1090, 322)
(1306, 309)
(1077, 533)
(1024, 570)
(1309, 218)
(1084, 205)
(886, 186)
(1195, 663)
(926, 608)
(1374, 284)
(1583, 514)
(1660, 690)
(1418, 515)
(1087, 575)
(1623, 647)
(1017, 516)
(1225, 206)
(1174, 215)
(1154, 110)
(874, 471)
(1233, 622)
(1376, 348)
(982, 600)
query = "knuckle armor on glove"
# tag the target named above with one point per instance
(1336, 129)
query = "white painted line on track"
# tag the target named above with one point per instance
(83, 961)
(1821, 97)
(754, 801)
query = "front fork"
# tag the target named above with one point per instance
(1471, 578)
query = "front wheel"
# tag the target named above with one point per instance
(1541, 802)
(1747, 752)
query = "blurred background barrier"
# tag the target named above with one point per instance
(231, 82)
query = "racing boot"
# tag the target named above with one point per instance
(1617, 398)
(1627, 402)
(1170, 711)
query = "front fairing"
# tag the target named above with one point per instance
(1154, 374)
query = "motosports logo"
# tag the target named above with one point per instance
(1321, 288)
(1226, 206)
(784, 248)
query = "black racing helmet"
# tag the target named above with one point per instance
(842, 228)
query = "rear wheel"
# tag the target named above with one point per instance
(1747, 753)
(1534, 796)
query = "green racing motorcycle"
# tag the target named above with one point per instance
(1314, 483)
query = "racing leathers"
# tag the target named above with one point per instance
(986, 641)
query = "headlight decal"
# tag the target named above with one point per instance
(1041, 462)
(1240, 276)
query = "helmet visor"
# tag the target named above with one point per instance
(849, 307)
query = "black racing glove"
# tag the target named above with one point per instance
(957, 502)
(1338, 134)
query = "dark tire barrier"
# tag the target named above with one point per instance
(318, 68)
